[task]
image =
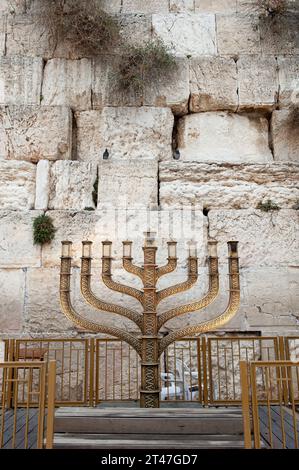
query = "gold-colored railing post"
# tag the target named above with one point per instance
(11, 372)
(245, 403)
(282, 372)
(205, 374)
(51, 404)
(91, 372)
(41, 406)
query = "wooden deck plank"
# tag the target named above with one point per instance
(277, 431)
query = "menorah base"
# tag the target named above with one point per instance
(149, 399)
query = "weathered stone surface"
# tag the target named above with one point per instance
(26, 36)
(12, 284)
(238, 34)
(215, 6)
(258, 82)
(20, 80)
(223, 137)
(135, 29)
(288, 70)
(2, 34)
(213, 84)
(33, 133)
(181, 6)
(187, 34)
(149, 6)
(67, 82)
(16, 239)
(170, 89)
(285, 135)
(111, 6)
(13, 6)
(265, 239)
(42, 311)
(227, 186)
(280, 36)
(117, 178)
(42, 185)
(125, 132)
(71, 185)
(17, 185)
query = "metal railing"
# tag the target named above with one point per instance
(203, 370)
(27, 397)
(270, 392)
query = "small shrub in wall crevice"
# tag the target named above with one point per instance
(43, 230)
(268, 206)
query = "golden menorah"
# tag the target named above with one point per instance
(149, 344)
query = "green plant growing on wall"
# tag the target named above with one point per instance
(268, 206)
(83, 25)
(143, 63)
(43, 230)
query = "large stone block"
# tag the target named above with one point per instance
(118, 177)
(258, 82)
(125, 132)
(12, 285)
(280, 36)
(265, 239)
(187, 34)
(149, 6)
(288, 70)
(71, 185)
(42, 310)
(2, 35)
(26, 36)
(238, 34)
(17, 185)
(216, 6)
(16, 239)
(135, 29)
(20, 80)
(33, 133)
(42, 185)
(13, 6)
(227, 186)
(223, 137)
(170, 89)
(67, 82)
(213, 84)
(285, 135)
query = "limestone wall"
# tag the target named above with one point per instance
(229, 112)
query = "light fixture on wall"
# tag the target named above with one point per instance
(106, 155)
(176, 154)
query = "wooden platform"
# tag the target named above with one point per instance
(21, 431)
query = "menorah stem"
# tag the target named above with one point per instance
(150, 383)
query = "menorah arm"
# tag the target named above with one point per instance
(99, 304)
(132, 268)
(183, 286)
(167, 268)
(77, 319)
(198, 304)
(226, 316)
(117, 286)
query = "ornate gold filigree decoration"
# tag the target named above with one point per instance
(149, 344)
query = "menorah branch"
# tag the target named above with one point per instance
(167, 268)
(183, 286)
(198, 304)
(132, 268)
(99, 304)
(77, 319)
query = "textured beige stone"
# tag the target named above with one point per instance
(145, 6)
(135, 29)
(16, 239)
(238, 34)
(265, 239)
(125, 132)
(2, 34)
(227, 186)
(213, 84)
(215, 6)
(42, 311)
(17, 187)
(181, 6)
(13, 6)
(42, 185)
(12, 286)
(187, 34)
(288, 70)
(26, 36)
(71, 185)
(223, 137)
(285, 135)
(281, 36)
(33, 133)
(20, 80)
(258, 82)
(67, 82)
(117, 178)
(170, 89)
